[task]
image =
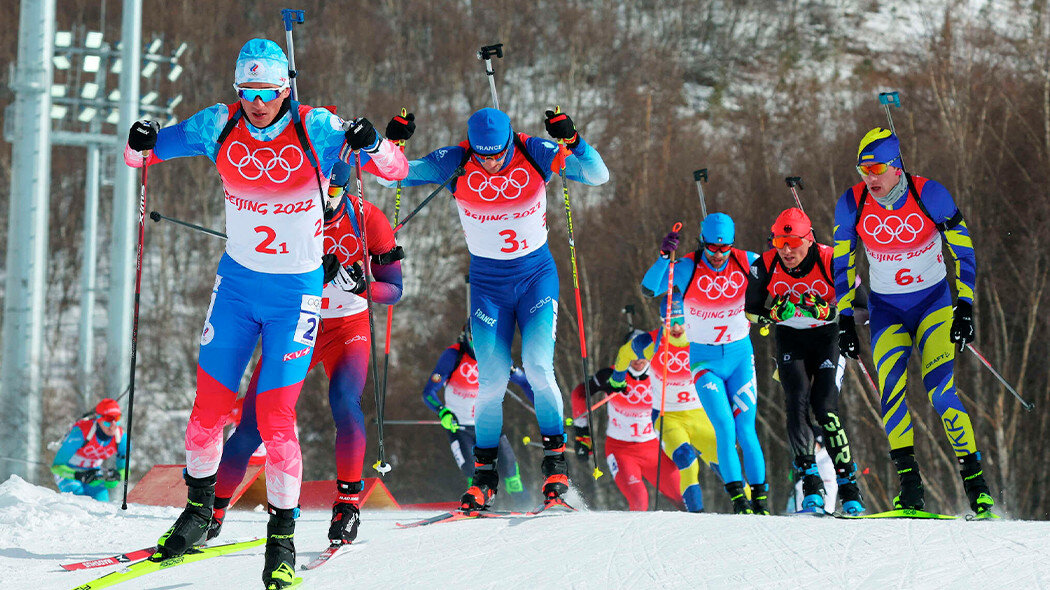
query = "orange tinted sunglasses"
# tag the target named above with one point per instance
(788, 241)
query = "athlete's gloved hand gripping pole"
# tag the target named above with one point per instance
(141, 138)
(666, 342)
(962, 331)
(560, 126)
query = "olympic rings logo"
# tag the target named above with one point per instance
(819, 288)
(469, 371)
(490, 188)
(344, 251)
(637, 393)
(721, 287)
(676, 362)
(893, 228)
(277, 166)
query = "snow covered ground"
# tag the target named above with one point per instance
(40, 529)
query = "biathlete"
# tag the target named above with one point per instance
(502, 206)
(456, 372)
(342, 348)
(901, 219)
(630, 440)
(712, 281)
(273, 156)
(92, 440)
(791, 286)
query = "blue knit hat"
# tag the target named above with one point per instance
(879, 146)
(677, 310)
(718, 228)
(489, 131)
(261, 60)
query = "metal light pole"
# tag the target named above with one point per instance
(20, 378)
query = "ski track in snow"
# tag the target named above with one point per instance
(40, 529)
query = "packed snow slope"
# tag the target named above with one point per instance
(40, 529)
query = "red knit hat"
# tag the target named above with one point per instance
(792, 222)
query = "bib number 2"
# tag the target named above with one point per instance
(269, 235)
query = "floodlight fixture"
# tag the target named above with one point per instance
(90, 91)
(114, 95)
(93, 40)
(63, 38)
(92, 63)
(154, 46)
(113, 117)
(61, 62)
(176, 71)
(58, 111)
(115, 68)
(175, 101)
(150, 97)
(87, 114)
(148, 69)
(178, 52)
(58, 90)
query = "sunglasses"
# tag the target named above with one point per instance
(493, 157)
(109, 421)
(266, 94)
(677, 321)
(787, 242)
(335, 190)
(718, 248)
(876, 168)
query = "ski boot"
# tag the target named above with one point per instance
(759, 498)
(911, 495)
(483, 486)
(735, 489)
(849, 493)
(218, 514)
(813, 493)
(554, 470)
(279, 565)
(192, 525)
(346, 516)
(977, 491)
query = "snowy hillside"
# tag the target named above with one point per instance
(40, 529)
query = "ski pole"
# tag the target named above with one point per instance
(380, 465)
(792, 182)
(527, 441)
(700, 176)
(867, 375)
(135, 331)
(487, 53)
(597, 404)
(413, 422)
(156, 217)
(579, 305)
(455, 174)
(666, 342)
(292, 16)
(887, 100)
(518, 399)
(1027, 405)
(390, 308)
(628, 310)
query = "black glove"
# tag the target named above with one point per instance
(110, 474)
(962, 324)
(330, 265)
(361, 135)
(401, 128)
(87, 476)
(350, 279)
(143, 135)
(559, 126)
(584, 446)
(849, 345)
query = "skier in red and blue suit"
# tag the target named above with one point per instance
(901, 219)
(273, 156)
(502, 205)
(78, 463)
(713, 282)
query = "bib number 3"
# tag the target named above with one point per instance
(510, 238)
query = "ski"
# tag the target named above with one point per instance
(556, 502)
(332, 551)
(107, 561)
(900, 513)
(983, 516)
(468, 515)
(142, 568)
